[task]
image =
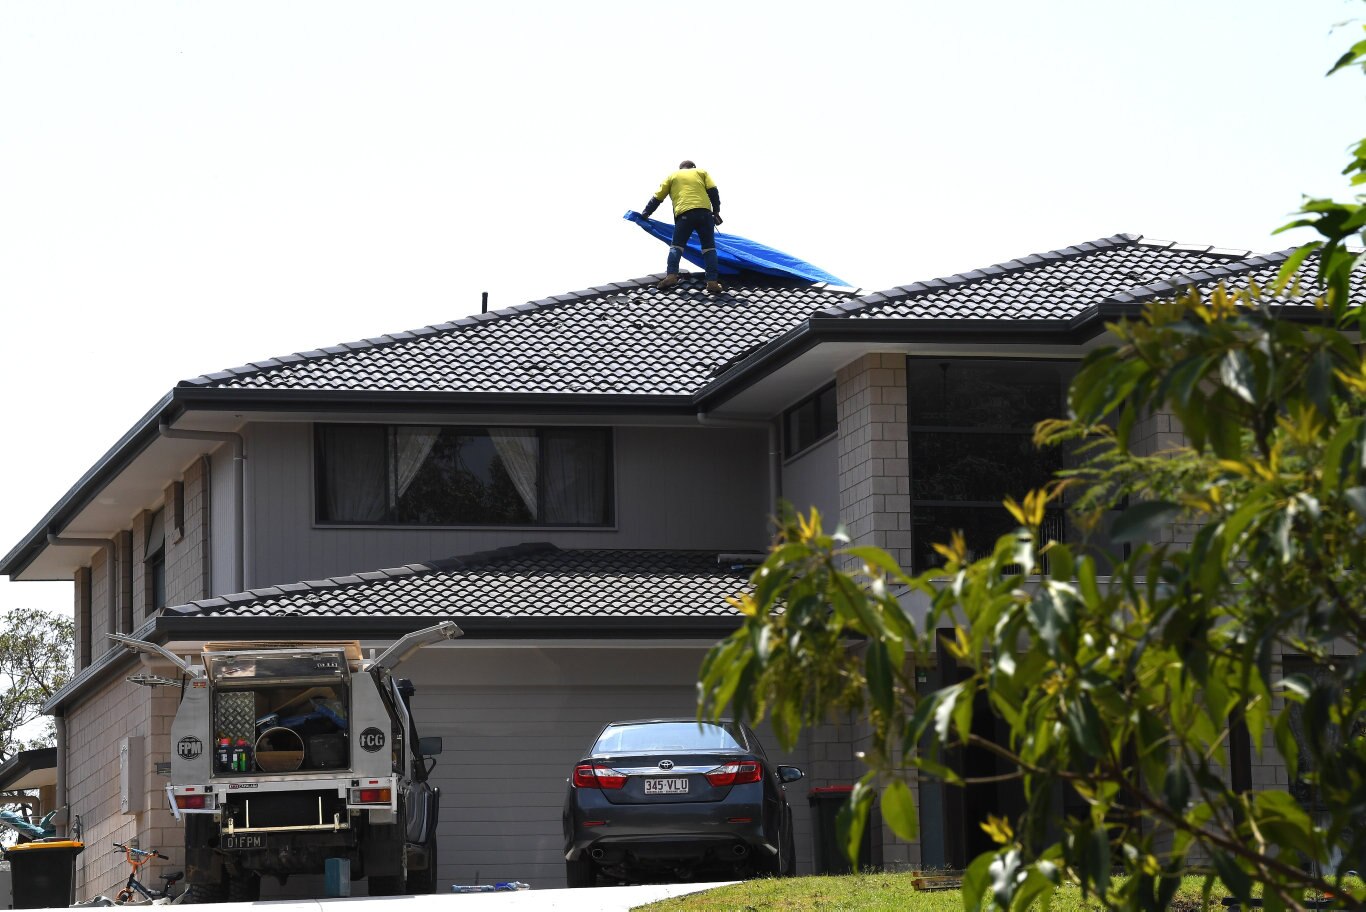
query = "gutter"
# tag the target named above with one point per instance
(239, 458)
(198, 627)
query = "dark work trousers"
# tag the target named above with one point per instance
(685, 223)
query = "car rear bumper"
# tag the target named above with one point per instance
(725, 831)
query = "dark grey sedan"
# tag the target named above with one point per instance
(672, 799)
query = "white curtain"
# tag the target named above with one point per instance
(355, 461)
(519, 448)
(575, 477)
(412, 446)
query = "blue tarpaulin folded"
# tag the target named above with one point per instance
(735, 254)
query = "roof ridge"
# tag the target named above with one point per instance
(1018, 265)
(433, 329)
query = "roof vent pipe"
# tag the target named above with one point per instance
(484, 305)
(239, 456)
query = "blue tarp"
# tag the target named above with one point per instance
(735, 254)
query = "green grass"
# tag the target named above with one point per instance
(882, 893)
(867, 893)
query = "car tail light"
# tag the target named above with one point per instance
(586, 775)
(369, 796)
(737, 772)
(194, 802)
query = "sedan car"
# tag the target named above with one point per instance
(676, 799)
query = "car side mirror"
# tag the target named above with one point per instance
(789, 774)
(429, 747)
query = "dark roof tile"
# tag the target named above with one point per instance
(536, 580)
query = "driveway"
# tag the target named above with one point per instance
(600, 899)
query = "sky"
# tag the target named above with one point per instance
(189, 186)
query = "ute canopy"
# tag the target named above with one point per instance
(735, 254)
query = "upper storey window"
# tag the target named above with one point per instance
(427, 475)
(809, 422)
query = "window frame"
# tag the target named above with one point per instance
(318, 495)
(1055, 516)
(790, 450)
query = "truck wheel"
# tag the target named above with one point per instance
(388, 885)
(203, 878)
(581, 873)
(244, 887)
(423, 883)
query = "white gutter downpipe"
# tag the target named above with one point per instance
(240, 575)
(775, 452)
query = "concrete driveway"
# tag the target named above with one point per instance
(600, 899)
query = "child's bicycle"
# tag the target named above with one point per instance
(134, 892)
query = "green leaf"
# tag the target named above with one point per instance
(898, 809)
(976, 879)
(852, 819)
(1237, 375)
(1234, 877)
(1143, 521)
(1177, 788)
(879, 676)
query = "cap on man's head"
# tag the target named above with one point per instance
(685, 163)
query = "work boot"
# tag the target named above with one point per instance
(669, 281)
(714, 288)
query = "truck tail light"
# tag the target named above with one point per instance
(586, 775)
(370, 796)
(194, 802)
(737, 772)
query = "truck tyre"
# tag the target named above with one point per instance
(423, 883)
(244, 887)
(203, 878)
(581, 873)
(386, 885)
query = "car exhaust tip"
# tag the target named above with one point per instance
(596, 854)
(741, 850)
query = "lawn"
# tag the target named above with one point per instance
(865, 893)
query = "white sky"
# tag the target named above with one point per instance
(188, 186)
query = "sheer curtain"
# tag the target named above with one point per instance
(575, 477)
(354, 460)
(519, 449)
(412, 447)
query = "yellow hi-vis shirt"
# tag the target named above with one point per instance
(689, 190)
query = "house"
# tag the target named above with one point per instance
(578, 482)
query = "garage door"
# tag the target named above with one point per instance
(514, 720)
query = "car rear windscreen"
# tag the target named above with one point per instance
(667, 736)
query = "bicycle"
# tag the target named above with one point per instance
(134, 888)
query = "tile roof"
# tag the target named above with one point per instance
(629, 339)
(524, 581)
(1056, 285)
(626, 338)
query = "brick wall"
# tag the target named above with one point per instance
(187, 546)
(94, 730)
(874, 453)
(82, 614)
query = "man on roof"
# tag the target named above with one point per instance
(697, 207)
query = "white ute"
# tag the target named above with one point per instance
(284, 755)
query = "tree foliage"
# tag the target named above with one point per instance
(1123, 687)
(35, 661)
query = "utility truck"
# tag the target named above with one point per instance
(286, 755)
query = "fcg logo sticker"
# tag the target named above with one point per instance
(371, 740)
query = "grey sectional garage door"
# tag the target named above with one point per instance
(513, 722)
